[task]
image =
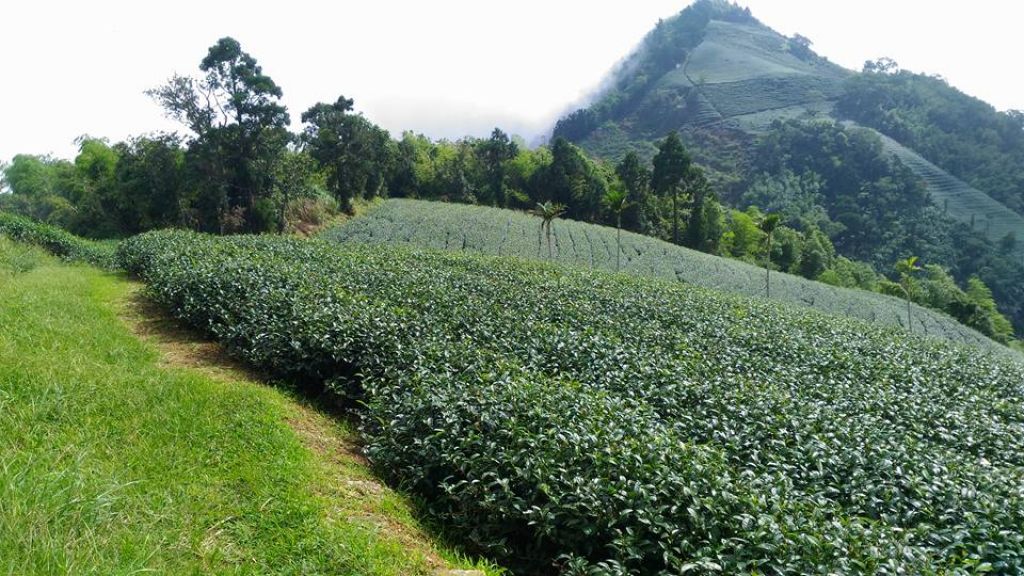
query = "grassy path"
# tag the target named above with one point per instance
(121, 454)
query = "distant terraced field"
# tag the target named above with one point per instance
(960, 200)
(745, 69)
(483, 230)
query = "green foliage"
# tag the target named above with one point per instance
(960, 133)
(483, 230)
(622, 425)
(56, 241)
(671, 166)
(352, 151)
(240, 133)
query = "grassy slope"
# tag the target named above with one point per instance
(505, 232)
(113, 463)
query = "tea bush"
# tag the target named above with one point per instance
(573, 420)
(484, 230)
(56, 241)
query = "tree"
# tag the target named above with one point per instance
(617, 200)
(150, 181)
(352, 150)
(697, 227)
(768, 226)
(906, 269)
(239, 125)
(547, 211)
(671, 165)
(573, 180)
(636, 178)
(494, 153)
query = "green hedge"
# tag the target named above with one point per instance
(57, 241)
(610, 425)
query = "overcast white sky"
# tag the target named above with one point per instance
(447, 68)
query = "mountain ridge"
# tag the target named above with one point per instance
(734, 79)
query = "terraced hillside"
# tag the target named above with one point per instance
(740, 75)
(498, 232)
(960, 200)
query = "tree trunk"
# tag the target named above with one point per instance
(618, 240)
(768, 269)
(675, 217)
(910, 326)
(549, 241)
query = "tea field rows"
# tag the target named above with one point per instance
(960, 200)
(483, 230)
(610, 424)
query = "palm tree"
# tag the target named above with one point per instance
(906, 269)
(616, 199)
(768, 226)
(548, 211)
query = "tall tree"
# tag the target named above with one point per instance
(768, 226)
(637, 180)
(671, 165)
(353, 151)
(239, 126)
(697, 226)
(495, 152)
(616, 199)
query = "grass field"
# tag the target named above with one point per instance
(497, 232)
(118, 459)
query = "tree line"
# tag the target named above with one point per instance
(239, 169)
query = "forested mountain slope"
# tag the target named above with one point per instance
(778, 126)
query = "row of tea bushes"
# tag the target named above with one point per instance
(602, 424)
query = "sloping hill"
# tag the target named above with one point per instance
(582, 422)
(731, 71)
(724, 81)
(484, 230)
(961, 201)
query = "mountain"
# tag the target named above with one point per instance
(759, 111)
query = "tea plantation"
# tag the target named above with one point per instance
(567, 419)
(498, 232)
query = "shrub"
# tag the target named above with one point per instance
(56, 241)
(614, 425)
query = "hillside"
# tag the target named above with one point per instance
(961, 201)
(726, 81)
(568, 420)
(729, 72)
(482, 230)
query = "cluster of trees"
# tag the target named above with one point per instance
(838, 182)
(239, 169)
(964, 135)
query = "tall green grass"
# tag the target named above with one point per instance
(111, 464)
